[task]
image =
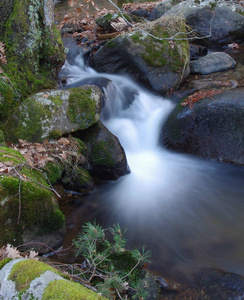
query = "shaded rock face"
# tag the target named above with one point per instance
(107, 157)
(220, 22)
(159, 64)
(212, 129)
(54, 113)
(197, 51)
(213, 62)
(6, 8)
(161, 9)
(34, 50)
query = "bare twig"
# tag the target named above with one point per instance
(169, 38)
(19, 202)
(41, 244)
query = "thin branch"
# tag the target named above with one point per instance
(19, 202)
(42, 185)
(170, 38)
(132, 269)
(42, 244)
(51, 185)
(118, 294)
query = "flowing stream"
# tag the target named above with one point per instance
(188, 211)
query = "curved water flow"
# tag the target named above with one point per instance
(188, 211)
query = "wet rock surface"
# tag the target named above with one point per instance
(213, 62)
(107, 157)
(212, 128)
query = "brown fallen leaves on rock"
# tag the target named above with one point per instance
(149, 6)
(12, 252)
(38, 154)
(198, 96)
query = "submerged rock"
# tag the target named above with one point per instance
(212, 128)
(107, 157)
(161, 64)
(213, 62)
(52, 114)
(29, 210)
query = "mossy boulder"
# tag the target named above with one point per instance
(30, 279)
(34, 51)
(107, 159)
(52, 114)
(213, 128)
(29, 210)
(161, 64)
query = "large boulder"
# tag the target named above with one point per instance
(29, 210)
(212, 128)
(54, 113)
(107, 156)
(160, 64)
(221, 22)
(33, 48)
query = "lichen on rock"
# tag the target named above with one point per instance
(34, 52)
(51, 114)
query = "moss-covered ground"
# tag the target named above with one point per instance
(26, 202)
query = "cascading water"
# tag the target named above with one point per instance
(188, 211)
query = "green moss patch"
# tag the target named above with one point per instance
(60, 290)
(173, 53)
(53, 171)
(25, 271)
(4, 261)
(101, 153)
(25, 202)
(82, 108)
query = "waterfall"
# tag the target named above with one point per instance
(188, 211)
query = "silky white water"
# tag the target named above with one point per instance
(188, 211)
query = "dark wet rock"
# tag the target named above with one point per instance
(143, 13)
(217, 284)
(220, 22)
(208, 284)
(212, 128)
(213, 62)
(77, 179)
(107, 156)
(158, 64)
(150, 287)
(160, 9)
(197, 51)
